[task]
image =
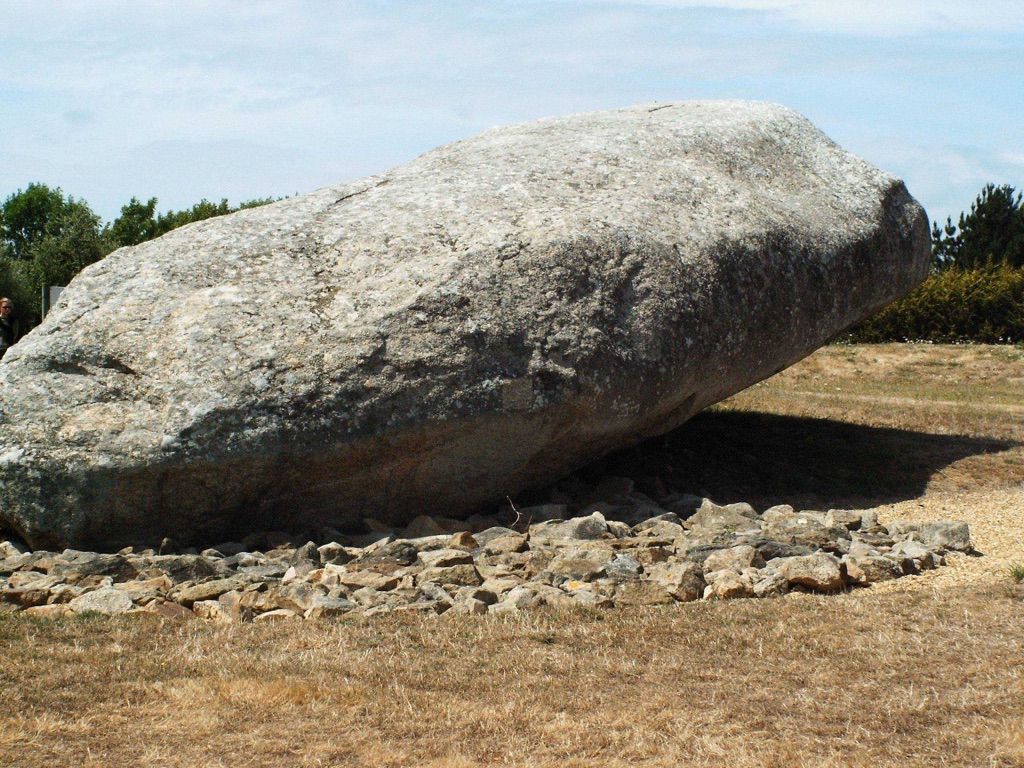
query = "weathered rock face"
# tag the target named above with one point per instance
(480, 320)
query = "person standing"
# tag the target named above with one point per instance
(8, 325)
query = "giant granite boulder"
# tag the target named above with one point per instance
(482, 319)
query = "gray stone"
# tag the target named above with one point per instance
(77, 565)
(777, 512)
(106, 600)
(307, 553)
(445, 558)
(808, 530)
(182, 568)
(683, 581)
(455, 575)
(484, 537)
(736, 558)
(327, 607)
(334, 553)
(728, 584)
(732, 517)
(868, 569)
(480, 320)
(850, 519)
(501, 545)
(580, 564)
(9, 549)
(207, 590)
(621, 567)
(770, 583)
(212, 610)
(819, 572)
(946, 535)
(593, 526)
(518, 598)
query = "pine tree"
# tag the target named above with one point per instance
(992, 233)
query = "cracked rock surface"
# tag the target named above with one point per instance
(481, 320)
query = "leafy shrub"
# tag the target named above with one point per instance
(981, 304)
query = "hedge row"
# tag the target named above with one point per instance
(982, 304)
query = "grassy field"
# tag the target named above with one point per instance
(924, 671)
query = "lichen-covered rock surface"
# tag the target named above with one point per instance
(480, 320)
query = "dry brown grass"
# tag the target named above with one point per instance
(925, 671)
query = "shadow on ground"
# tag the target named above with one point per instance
(767, 459)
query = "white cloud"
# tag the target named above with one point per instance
(871, 17)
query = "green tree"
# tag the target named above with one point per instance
(136, 224)
(45, 239)
(27, 215)
(204, 209)
(992, 232)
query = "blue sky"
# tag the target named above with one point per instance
(188, 100)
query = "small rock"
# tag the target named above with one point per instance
(621, 567)
(54, 611)
(307, 553)
(593, 526)
(868, 569)
(736, 558)
(770, 583)
(445, 558)
(207, 590)
(503, 545)
(106, 600)
(463, 540)
(471, 606)
(326, 607)
(728, 584)
(334, 553)
(777, 512)
(732, 517)
(819, 572)
(641, 593)
(167, 609)
(277, 614)
(682, 581)
(456, 575)
(849, 519)
(211, 610)
(591, 599)
(946, 535)
(619, 529)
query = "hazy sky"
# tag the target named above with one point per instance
(184, 100)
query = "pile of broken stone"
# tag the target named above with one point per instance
(633, 552)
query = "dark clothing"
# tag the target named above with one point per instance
(8, 333)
